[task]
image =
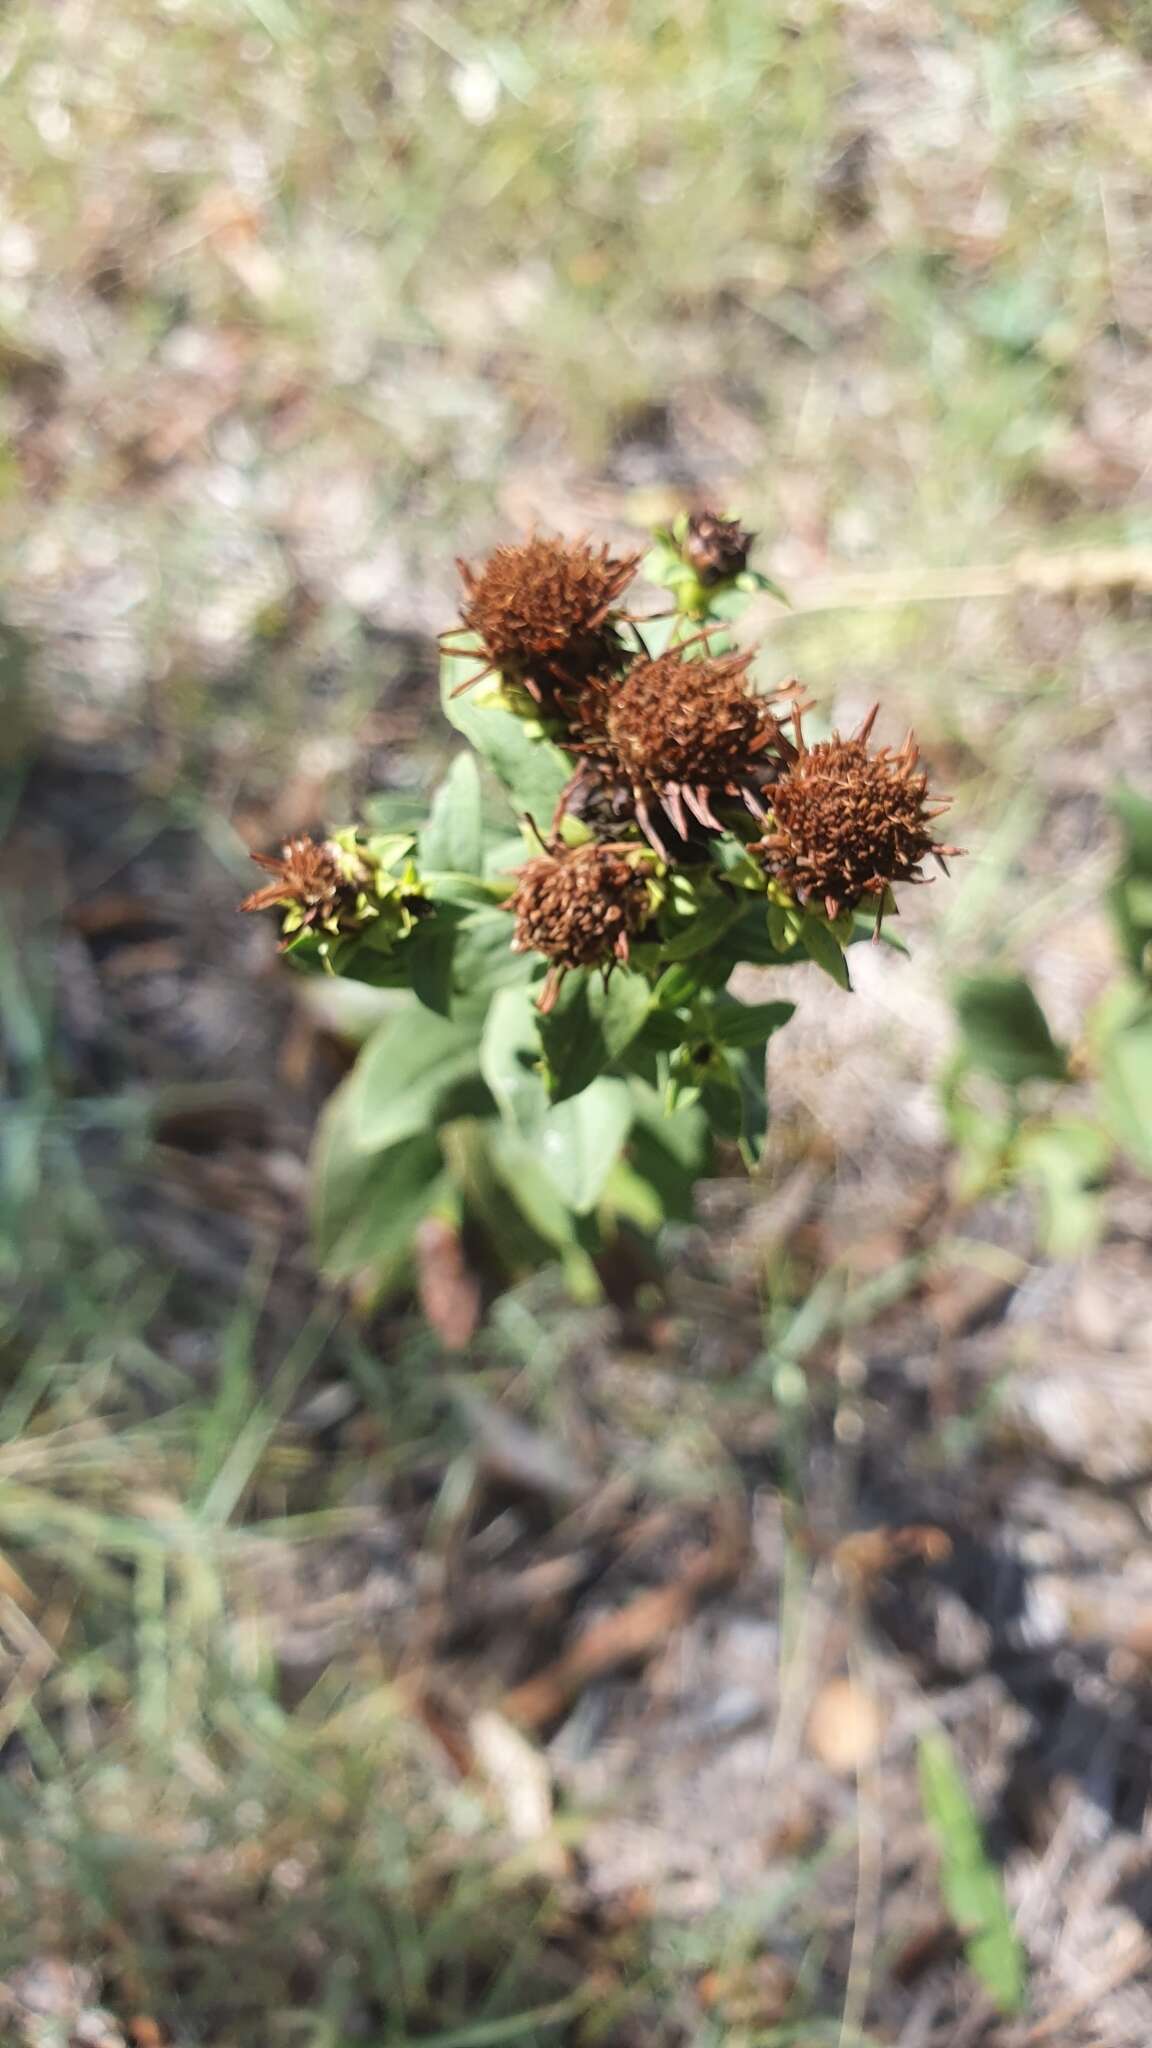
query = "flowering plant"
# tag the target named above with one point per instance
(568, 1049)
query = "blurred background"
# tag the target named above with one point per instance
(299, 301)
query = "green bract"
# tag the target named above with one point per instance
(723, 597)
(385, 903)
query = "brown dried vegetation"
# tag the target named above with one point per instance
(543, 611)
(678, 734)
(580, 908)
(849, 822)
(315, 877)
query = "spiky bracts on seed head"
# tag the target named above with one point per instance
(318, 882)
(848, 822)
(716, 549)
(544, 613)
(336, 888)
(579, 907)
(679, 733)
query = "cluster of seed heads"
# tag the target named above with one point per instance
(661, 746)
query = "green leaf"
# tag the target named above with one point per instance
(366, 1206)
(1131, 892)
(350, 959)
(969, 1880)
(404, 1081)
(1067, 1161)
(685, 981)
(633, 1198)
(663, 1031)
(824, 948)
(753, 580)
(1004, 1030)
(462, 892)
(472, 1152)
(510, 1059)
(864, 928)
(683, 1134)
(721, 1099)
(737, 1024)
(1123, 1046)
(708, 923)
(703, 1070)
(484, 962)
(677, 986)
(671, 1150)
(580, 1141)
(517, 1165)
(1135, 814)
(429, 957)
(453, 839)
(533, 771)
(983, 1138)
(753, 1104)
(751, 940)
(731, 600)
(502, 856)
(591, 1024)
(394, 810)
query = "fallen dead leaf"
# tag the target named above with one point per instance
(933, 1942)
(449, 1289)
(635, 1631)
(870, 1554)
(966, 1297)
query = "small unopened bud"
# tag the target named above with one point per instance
(716, 549)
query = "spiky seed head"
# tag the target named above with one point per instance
(672, 720)
(579, 907)
(849, 822)
(545, 613)
(678, 733)
(318, 880)
(717, 549)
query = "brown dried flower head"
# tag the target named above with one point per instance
(544, 613)
(715, 548)
(848, 822)
(580, 907)
(317, 880)
(679, 733)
